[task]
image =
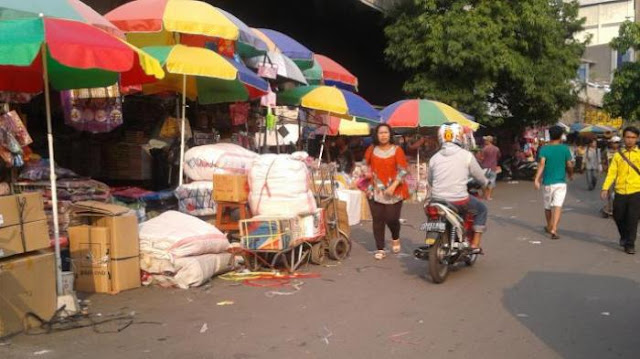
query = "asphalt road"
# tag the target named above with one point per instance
(528, 297)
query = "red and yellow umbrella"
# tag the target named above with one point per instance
(155, 22)
(328, 72)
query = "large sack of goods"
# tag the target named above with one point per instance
(202, 162)
(280, 186)
(196, 198)
(181, 250)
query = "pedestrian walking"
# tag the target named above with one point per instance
(592, 164)
(625, 173)
(387, 190)
(490, 155)
(554, 165)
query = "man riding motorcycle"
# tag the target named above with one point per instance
(449, 172)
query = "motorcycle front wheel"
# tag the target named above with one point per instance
(438, 255)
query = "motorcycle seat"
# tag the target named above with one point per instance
(446, 203)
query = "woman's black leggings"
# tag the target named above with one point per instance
(385, 214)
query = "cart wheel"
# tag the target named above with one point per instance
(339, 247)
(318, 252)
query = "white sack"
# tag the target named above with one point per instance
(201, 162)
(196, 198)
(279, 185)
(185, 272)
(174, 234)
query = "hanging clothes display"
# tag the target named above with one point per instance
(96, 110)
(239, 113)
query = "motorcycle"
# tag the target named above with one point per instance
(448, 234)
(513, 169)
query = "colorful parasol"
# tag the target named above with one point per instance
(330, 99)
(596, 129)
(153, 22)
(78, 56)
(200, 72)
(284, 66)
(423, 113)
(279, 42)
(70, 54)
(328, 72)
(65, 9)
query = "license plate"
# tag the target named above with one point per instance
(433, 227)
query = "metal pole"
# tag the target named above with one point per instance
(184, 119)
(52, 171)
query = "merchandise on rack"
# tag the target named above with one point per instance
(279, 185)
(70, 190)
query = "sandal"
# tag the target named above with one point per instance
(555, 236)
(380, 254)
(477, 251)
(395, 246)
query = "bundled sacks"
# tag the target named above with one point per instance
(196, 198)
(181, 250)
(201, 162)
(280, 186)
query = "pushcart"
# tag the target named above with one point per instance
(336, 241)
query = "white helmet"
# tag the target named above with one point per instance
(615, 139)
(450, 133)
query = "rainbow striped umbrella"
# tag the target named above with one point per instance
(279, 42)
(328, 72)
(332, 100)
(423, 113)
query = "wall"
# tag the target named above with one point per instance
(603, 19)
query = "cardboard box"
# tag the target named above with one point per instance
(10, 209)
(28, 237)
(28, 284)
(230, 188)
(94, 266)
(106, 251)
(23, 224)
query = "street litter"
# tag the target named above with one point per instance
(606, 314)
(225, 302)
(535, 242)
(397, 338)
(296, 285)
(507, 208)
(513, 182)
(204, 328)
(328, 335)
(41, 352)
(522, 315)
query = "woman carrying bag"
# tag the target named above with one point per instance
(387, 189)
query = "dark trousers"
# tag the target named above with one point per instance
(385, 214)
(626, 212)
(592, 179)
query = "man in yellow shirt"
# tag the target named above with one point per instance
(624, 171)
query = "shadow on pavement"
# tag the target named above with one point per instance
(564, 233)
(579, 315)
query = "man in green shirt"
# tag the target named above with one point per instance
(554, 163)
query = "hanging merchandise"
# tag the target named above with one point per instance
(267, 69)
(268, 100)
(270, 120)
(171, 128)
(95, 110)
(239, 113)
(16, 97)
(12, 123)
(10, 149)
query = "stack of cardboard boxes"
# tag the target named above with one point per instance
(105, 252)
(27, 265)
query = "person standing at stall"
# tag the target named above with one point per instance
(624, 174)
(387, 190)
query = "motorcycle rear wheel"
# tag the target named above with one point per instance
(438, 265)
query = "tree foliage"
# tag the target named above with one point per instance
(624, 98)
(516, 59)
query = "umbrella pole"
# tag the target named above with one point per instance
(184, 119)
(52, 172)
(418, 173)
(324, 138)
